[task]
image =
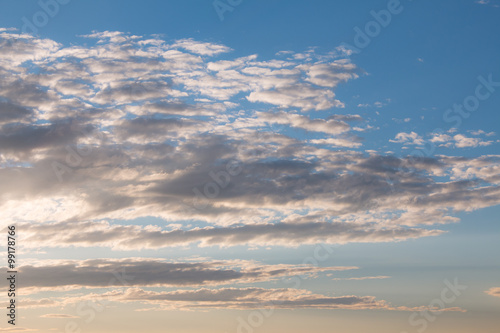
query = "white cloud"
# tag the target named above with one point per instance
(408, 138)
(460, 140)
(376, 104)
(337, 142)
(201, 48)
(301, 96)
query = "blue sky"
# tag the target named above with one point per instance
(212, 154)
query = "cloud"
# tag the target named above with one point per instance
(481, 132)
(363, 278)
(249, 298)
(441, 138)
(444, 140)
(301, 96)
(208, 49)
(129, 127)
(58, 316)
(328, 126)
(122, 237)
(352, 142)
(13, 113)
(144, 272)
(493, 292)
(461, 141)
(492, 3)
(330, 74)
(237, 299)
(408, 138)
(346, 117)
(376, 104)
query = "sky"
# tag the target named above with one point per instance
(251, 166)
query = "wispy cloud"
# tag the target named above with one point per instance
(89, 234)
(238, 299)
(493, 292)
(145, 272)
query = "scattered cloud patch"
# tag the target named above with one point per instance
(493, 292)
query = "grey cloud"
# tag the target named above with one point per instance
(153, 129)
(172, 118)
(282, 234)
(128, 92)
(236, 298)
(331, 74)
(13, 113)
(24, 138)
(346, 117)
(250, 298)
(143, 272)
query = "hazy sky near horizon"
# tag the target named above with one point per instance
(252, 166)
